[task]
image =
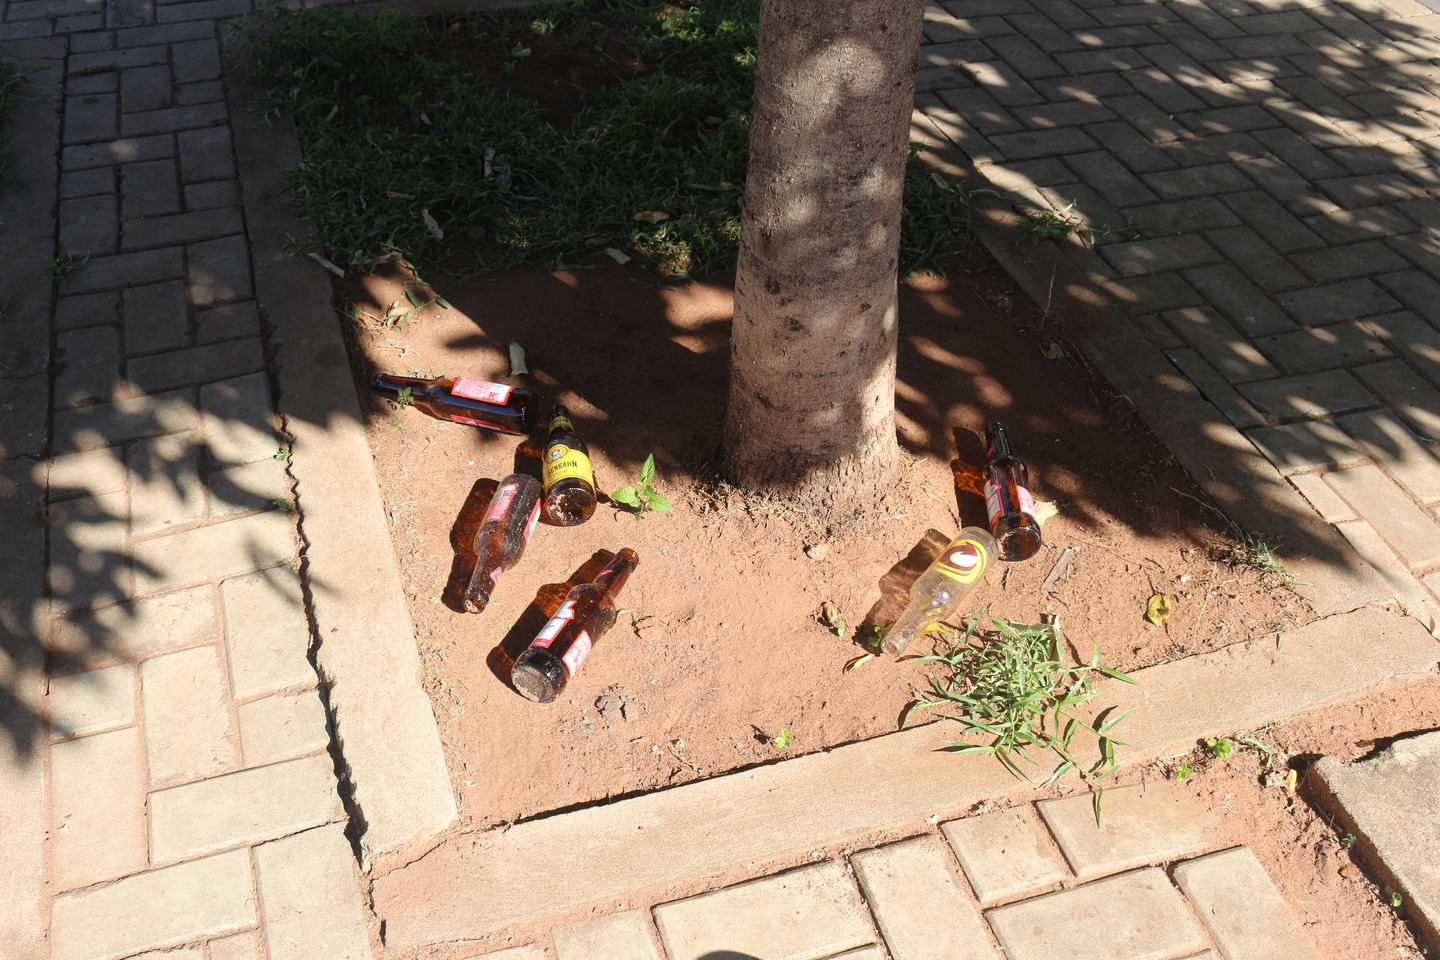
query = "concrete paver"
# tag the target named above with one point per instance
(307, 884)
(1002, 854)
(923, 913)
(620, 936)
(96, 814)
(1241, 908)
(1140, 824)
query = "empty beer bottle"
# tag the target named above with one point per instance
(479, 403)
(569, 477)
(504, 532)
(556, 653)
(940, 590)
(1008, 501)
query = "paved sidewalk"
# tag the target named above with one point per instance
(1280, 162)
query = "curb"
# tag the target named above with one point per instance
(392, 765)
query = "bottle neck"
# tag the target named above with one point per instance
(617, 571)
(560, 424)
(389, 385)
(996, 441)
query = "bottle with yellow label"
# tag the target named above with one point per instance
(939, 591)
(569, 478)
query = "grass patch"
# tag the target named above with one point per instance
(1258, 555)
(1012, 688)
(414, 143)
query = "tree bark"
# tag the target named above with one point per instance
(812, 379)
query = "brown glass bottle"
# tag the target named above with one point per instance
(504, 532)
(556, 653)
(479, 403)
(569, 477)
(1008, 501)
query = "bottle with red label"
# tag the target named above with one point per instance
(504, 532)
(1008, 500)
(479, 403)
(556, 653)
(939, 591)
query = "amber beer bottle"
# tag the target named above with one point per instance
(479, 403)
(504, 532)
(556, 653)
(939, 591)
(569, 477)
(1008, 501)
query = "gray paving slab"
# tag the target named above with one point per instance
(1003, 854)
(1243, 912)
(1140, 824)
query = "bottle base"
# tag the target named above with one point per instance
(533, 684)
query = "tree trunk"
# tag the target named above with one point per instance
(812, 379)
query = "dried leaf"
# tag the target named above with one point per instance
(424, 118)
(650, 216)
(1045, 510)
(431, 226)
(863, 658)
(1052, 351)
(517, 360)
(617, 256)
(399, 196)
(829, 613)
(1157, 611)
(1291, 778)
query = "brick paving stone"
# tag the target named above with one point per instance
(1157, 88)
(1298, 154)
(1216, 388)
(1110, 178)
(144, 628)
(88, 565)
(155, 318)
(1197, 181)
(310, 897)
(1073, 113)
(202, 10)
(240, 946)
(1153, 294)
(1367, 190)
(1122, 36)
(192, 94)
(172, 119)
(1273, 45)
(1268, 24)
(936, 79)
(985, 8)
(1088, 206)
(266, 632)
(1264, 266)
(228, 321)
(1216, 149)
(1249, 70)
(1192, 41)
(131, 150)
(1311, 445)
(1408, 460)
(812, 911)
(1323, 348)
(92, 702)
(145, 88)
(1424, 212)
(1309, 396)
(1004, 84)
(981, 111)
(164, 371)
(92, 21)
(1045, 143)
(90, 118)
(185, 703)
(246, 807)
(1319, 97)
(218, 270)
(1379, 158)
(89, 366)
(1132, 915)
(1154, 124)
(1101, 62)
(922, 912)
(90, 473)
(620, 936)
(1243, 912)
(1331, 507)
(208, 196)
(1227, 120)
(1002, 855)
(1350, 226)
(1337, 302)
(1419, 249)
(1096, 86)
(105, 424)
(165, 487)
(1064, 13)
(1354, 260)
(281, 727)
(1125, 144)
(1295, 193)
(524, 953)
(97, 809)
(125, 269)
(1250, 309)
(1207, 21)
(1417, 291)
(1044, 33)
(953, 54)
(219, 550)
(117, 59)
(1025, 58)
(1273, 222)
(1402, 389)
(238, 419)
(1160, 255)
(195, 61)
(149, 188)
(108, 82)
(87, 225)
(1142, 824)
(955, 29)
(159, 908)
(1179, 65)
(246, 488)
(84, 183)
(1217, 340)
(24, 30)
(953, 127)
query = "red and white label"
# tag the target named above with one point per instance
(500, 502)
(577, 653)
(554, 625)
(478, 423)
(481, 390)
(992, 500)
(534, 519)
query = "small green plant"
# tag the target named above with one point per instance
(1266, 750)
(783, 738)
(1219, 747)
(405, 397)
(1050, 224)
(283, 505)
(1396, 901)
(1014, 689)
(59, 269)
(283, 454)
(1182, 771)
(1258, 555)
(1348, 840)
(641, 495)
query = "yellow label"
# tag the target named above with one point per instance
(963, 560)
(562, 461)
(561, 423)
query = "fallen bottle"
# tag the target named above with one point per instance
(556, 653)
(569, 477)
(1008, 500)
(504, 531)
(478, 403)
(939, 591)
